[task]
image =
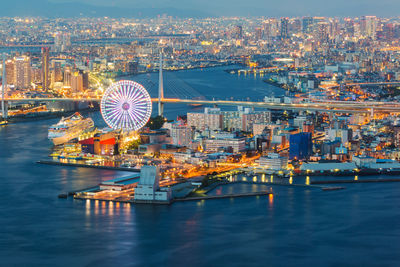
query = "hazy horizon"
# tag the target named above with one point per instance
(205, 8)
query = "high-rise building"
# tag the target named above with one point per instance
(22, 72)
(307, 24)
(258, 32)
(57, 71)
(271, 28)
(295, 26)
(45, 69)
(300, 146)
(85, 80)
(10, 71)
(211, 119)
(284, 28)
(250, 118)
(233, 145)
(237, 32)
(61, 41)
(36, 74)
(67, 76)
(368, 26)
(181, 134)
(322, 32)
(76, 82)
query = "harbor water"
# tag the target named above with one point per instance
(297, 226)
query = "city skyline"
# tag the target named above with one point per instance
(187, 133)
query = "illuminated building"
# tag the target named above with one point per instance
(258, 33)
(273, 162)
(232, 120)
(307, 24)
(148, 188)
(57, 72)
(67, 76)
(284, 28)
(181, 134)
(209, 119)
(258, 128)
(62, 41)
(10, 71)
(45, 69)
(368, 26)
(76, 82)
(249, 118)
(300, 146)
(22, 72)
(234, 145)
(237, 32)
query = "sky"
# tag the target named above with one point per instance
(270, 8)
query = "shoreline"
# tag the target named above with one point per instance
(174, 70)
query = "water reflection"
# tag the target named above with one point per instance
(88, 208)
(110, 208)
(271, 200)
(96, 207)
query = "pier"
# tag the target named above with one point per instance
(50, 162)
(250, 194)
(388, 180)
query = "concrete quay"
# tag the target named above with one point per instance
(50, 162)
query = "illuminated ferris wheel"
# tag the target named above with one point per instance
(126, 105)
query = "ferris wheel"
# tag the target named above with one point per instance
(126, 105)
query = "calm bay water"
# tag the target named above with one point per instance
(297, 227)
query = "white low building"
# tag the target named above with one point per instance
(331, 166)
(237, 144)
(148, 188)
(273, 162)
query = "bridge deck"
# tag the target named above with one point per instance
(340, 107)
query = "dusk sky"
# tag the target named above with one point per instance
(266, 7)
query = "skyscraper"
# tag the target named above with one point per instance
(45, 69)
(67, 76)
(22, 72)
(76, 82)
(238, 32)
(307, 24)
(368, 26)
(284, 28)
(10, 69)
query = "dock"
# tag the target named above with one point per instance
(50, 162)
(389, 180)
(251, 194)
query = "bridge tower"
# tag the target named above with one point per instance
(160, 88)
(4, 109)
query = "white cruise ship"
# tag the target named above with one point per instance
(69, 128)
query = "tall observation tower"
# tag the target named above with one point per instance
(160, 88)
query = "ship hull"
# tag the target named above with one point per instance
(63, 139)
(66, 130)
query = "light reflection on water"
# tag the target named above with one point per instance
(295, 226)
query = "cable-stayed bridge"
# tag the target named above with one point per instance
(178, 91)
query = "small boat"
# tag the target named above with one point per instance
(3, 122)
